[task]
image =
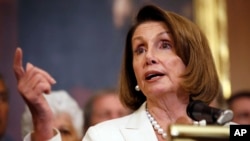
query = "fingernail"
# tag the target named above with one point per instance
(53, 81)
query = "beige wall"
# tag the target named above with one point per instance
(239, 43)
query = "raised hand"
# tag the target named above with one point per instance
(32, 83)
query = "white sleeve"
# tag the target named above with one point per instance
(57, 137)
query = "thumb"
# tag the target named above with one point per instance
(18, 64)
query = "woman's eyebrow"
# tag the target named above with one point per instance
(159, 34)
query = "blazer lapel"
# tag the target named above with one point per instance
(139, 127)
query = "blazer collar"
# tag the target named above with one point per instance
(139, 126)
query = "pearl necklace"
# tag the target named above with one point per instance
(155, 125)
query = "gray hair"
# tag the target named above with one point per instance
(60, 102)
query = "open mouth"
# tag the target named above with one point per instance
(151, 76)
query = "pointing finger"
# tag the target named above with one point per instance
(18, 64)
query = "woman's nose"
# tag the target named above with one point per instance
(150, 58)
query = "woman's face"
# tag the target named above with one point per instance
(63, 123)
(157, 67)
(104, 109)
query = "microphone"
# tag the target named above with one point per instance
(198, 110)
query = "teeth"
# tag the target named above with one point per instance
(148, 77)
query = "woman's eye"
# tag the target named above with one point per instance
(64, 132)
(139, 50)
(165, 44)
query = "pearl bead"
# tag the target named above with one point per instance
(155, 125)
(164, 135)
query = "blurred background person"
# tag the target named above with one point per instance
(239, 103)
(121, 12)
(4, 110)
(68, 116)
(103, 105)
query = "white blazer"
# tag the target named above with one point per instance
(134, 127)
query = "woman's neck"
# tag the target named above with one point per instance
(168, 110)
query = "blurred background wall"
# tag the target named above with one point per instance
(238, 39)
(80, 43)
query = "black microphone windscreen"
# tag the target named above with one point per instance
(198, 110)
